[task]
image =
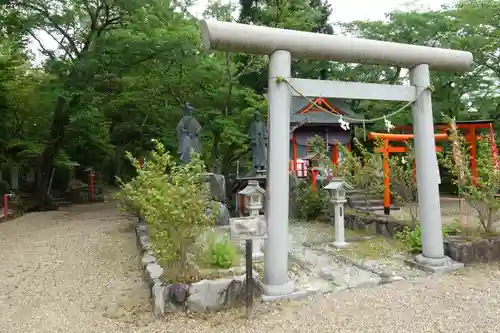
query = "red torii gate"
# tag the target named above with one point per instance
(471, 129)
(387, 149)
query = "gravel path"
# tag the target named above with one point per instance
(76, 270)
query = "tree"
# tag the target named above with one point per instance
(174, 203)
(311, 15)
(403, 181)
(469, 25)
(21, 104)
(481, 193)
(364, 171)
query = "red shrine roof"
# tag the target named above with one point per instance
(302, 109)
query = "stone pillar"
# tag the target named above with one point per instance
(276, 280)
(339, 226)
(256, 243)
(429, 206)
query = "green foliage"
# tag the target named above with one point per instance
(318, 146)
(364, 170)
(412, 237)
(311, 205)
(403, 183)
(481, 194)
(114, 74)
(173, 201)
(221, 253)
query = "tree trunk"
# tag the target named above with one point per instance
(57, 131)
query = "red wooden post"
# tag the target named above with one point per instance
(314, 176)
(387, 179)
(472, 140)
(91, 182)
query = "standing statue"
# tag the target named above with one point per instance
(188, 132)
(258, 140)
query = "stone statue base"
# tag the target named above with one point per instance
(261, 172)
(217, 185)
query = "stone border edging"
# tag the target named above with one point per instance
(456, 247)
(153, 271)
(202, 296)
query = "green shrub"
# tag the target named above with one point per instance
(172, 199)
(220, 253)
(311, 205)
(412, 237)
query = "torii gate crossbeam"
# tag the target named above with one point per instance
(281, 45)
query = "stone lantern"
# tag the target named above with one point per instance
(254, 196)
(336, 189)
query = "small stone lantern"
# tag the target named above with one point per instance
(336, 189)
(254, 195)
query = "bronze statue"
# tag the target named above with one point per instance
(188, 132)
(258, 140)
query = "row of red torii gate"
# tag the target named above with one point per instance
(312, 120)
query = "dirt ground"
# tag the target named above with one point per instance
(76, 270)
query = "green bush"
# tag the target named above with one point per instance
(172, 199)
(220, 253)
(412, 237)
(311, 205)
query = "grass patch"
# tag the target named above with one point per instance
(375, 248)
(351, 233)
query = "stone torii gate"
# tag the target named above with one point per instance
(281, 45)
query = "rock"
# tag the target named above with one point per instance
(218, 187)
(390, 279)
(234, 292)
(154, 271)
(177, 293)
(173, 308)
(142, 229)
(208, 295)
(469, 251)
(148, 258)
(387, 274)
(144, 242)
(328, 273)
(224, 215)
(158, 300)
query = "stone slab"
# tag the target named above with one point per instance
(448, 266)
(294, 295)
(157, 293)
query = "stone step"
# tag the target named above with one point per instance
(363, 202)
(377, 208)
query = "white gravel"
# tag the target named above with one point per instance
(76, 270)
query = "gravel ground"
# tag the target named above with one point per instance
(76, 270)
